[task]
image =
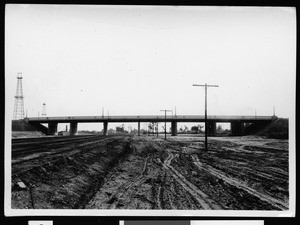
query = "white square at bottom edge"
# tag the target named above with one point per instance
(40, 222)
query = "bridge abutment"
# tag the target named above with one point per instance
(237, 128)
(73, 128)
(105, 125)
(174, 128)
(52, 128)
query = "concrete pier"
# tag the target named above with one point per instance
(52, 128)
(237, 128)
(139, 128)
(73, 128)
(211, 128)
(105, 125)
(174, 128)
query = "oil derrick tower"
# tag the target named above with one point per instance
(44, 110)
(19, 100)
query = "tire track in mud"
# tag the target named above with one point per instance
(123, 185)
(233, 182)
(136, 181)
(202, 198)
(114, 200)
(256, 169)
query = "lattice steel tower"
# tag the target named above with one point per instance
(44, 110)
(19, 100)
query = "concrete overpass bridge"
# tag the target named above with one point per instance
(237, 122)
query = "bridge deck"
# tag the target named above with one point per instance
(151, 118)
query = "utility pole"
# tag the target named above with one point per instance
(206, 127)
(273, 110)
(157, 128)
(165, 110)
(102, 112)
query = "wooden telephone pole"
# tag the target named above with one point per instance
(206, 127)
(165, 110)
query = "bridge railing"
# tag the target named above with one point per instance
(146, 118)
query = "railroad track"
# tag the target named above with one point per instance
(47, 138)
(71, 147)
(24, 142)
(29, 147)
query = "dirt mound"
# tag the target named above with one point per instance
(277, 129)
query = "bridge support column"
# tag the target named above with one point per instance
(139, 128)
(73, 128)
(105, 125)
(237, 128)
(174, 128)
(211, 128)
(52, 128)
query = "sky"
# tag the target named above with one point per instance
(138, 60)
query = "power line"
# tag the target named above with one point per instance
(206, 127)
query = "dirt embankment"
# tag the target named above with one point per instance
(242, 173)
(278, 129)
(68, 181)
(26, 134)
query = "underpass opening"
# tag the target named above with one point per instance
(190, 129)
(223, 129)
(124, 128)
(63, 129)
(45, 125)
(156, 128)
(89, 128)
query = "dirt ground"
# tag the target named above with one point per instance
(124, 172)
